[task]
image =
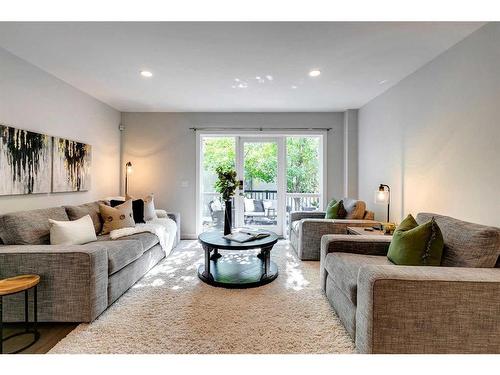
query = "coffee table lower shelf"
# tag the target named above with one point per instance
(229, 272)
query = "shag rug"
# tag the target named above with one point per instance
(171, 311)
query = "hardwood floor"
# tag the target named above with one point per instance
(50, 335)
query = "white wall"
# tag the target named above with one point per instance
(163, 151)
(34, 100)
(351, 153)
(435, 136)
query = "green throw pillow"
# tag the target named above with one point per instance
(332, 210)
(416, 245)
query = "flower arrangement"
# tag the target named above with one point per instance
(226, 183)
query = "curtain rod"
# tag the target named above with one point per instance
(259, 129)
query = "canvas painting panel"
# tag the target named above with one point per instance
(71, 166)
(25, 161)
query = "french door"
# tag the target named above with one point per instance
(279, 173)
(260, 166)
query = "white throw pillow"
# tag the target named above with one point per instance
(249, 205)
(149, 208)
(76, 232)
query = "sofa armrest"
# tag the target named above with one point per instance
(403, 309)
(299, 215)
(73, 280)
(344, 243)
(307, 239)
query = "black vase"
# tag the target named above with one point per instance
(228, 217)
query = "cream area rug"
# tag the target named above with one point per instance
(171, 311)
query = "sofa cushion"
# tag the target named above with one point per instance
(121, 253)
(343, 269)
(355, 209)
(92, 209)
(147, 240)
(466, 244)
(29, 227)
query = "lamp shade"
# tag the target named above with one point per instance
(381, 197)
(129, 167)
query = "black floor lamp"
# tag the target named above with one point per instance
(383, 196)
(128, 170)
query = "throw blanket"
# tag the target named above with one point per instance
(164, 228)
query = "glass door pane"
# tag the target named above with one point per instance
(303, 174)
(260, 207)
(215, 152)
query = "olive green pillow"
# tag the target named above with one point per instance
(332, 209)
(416, 245)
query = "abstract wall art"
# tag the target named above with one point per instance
(32, 163)
(25, 161)
(71, 165)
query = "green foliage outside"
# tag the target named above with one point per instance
(218, 152)
(261, 161)
(302, 172)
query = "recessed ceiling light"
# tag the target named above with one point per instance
(294, 87)
(383, 81)
(146, 73)
(314, 73)
(269, 77)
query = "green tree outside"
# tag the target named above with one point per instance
(302, 170)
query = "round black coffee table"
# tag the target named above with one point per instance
(237, 270)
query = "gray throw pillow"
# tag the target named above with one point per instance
(91, 209)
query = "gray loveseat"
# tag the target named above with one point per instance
(387, 308)
(307, 227)
(78, 282)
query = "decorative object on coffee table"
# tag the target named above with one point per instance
(22, 283)
(226, 185)
(383, 196)
(234, 270)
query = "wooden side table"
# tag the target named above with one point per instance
(22, 283)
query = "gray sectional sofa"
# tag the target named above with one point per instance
(387, 308)
(78, 282)
(307, 227)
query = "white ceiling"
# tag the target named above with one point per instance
(195, 64)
